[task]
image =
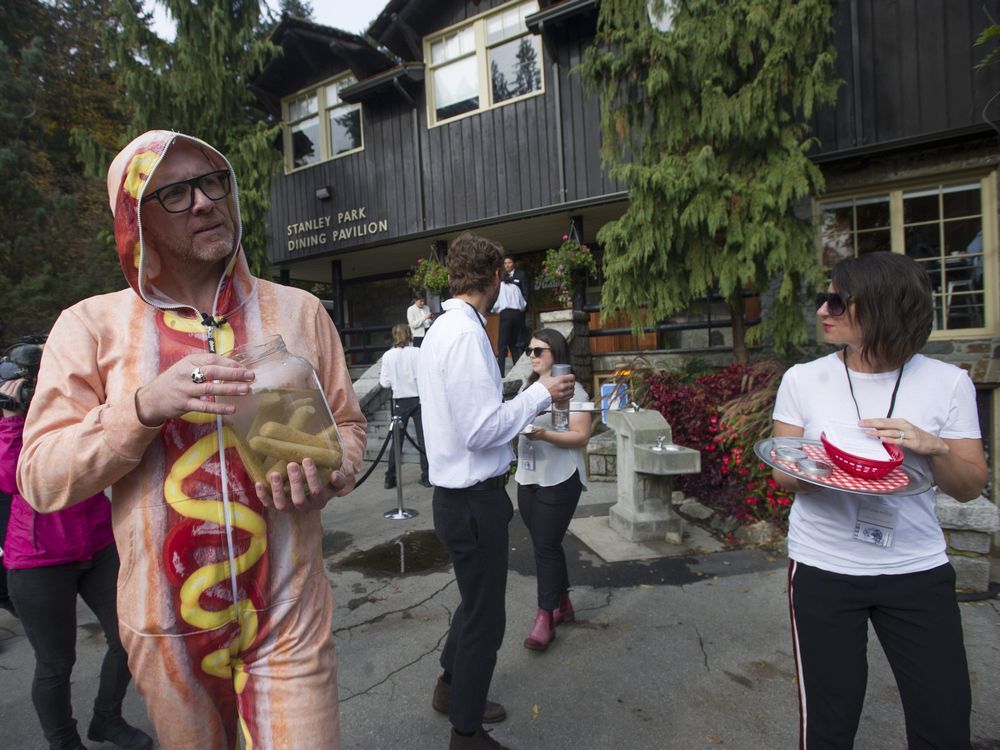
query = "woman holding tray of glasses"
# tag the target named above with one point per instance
(854, 557)
(550, 474)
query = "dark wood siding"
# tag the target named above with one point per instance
(484, 166)
(916, 75)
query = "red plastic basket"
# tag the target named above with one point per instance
(866, 468)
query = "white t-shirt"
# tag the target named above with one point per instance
(542, 463)
(399, 371)
(936, 397)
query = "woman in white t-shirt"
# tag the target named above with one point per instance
(879, 309)
(550, 474)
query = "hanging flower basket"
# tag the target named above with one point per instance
(428, 275)
(566, 266)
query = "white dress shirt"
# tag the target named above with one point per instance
(399, 371)
(468, 427)
(510, 298)
(418, 319)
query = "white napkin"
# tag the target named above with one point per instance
(855, 440)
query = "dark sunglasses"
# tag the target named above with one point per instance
(836, 305)
(536, 351)
(178, 197)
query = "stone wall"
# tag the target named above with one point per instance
(967, 528)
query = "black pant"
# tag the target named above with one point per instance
(407, 408)
(472, 524)
(417, 341)
(5, 501)
(511, 327)
(46, 602)
(917, 621)
(547, 511)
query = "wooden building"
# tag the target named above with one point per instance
(469, 114)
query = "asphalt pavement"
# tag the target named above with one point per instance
(681, 652)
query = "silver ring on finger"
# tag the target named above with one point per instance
(902, 436)
(198, 377)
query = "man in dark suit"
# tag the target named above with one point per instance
(520, 279)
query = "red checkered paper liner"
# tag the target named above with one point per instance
(840, 479)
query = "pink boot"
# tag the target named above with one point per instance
(542, 632)
(565, 612)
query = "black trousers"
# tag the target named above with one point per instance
(547, 511)
(917, 621)
(46, 602)
(510, 334)
(5, 501)
(473, 525)
(407, 408)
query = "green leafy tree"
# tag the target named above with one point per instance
(704, 119)
(197, 84)
(296, 8)
(55, 247)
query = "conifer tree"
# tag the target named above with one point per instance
(197, 84)
(55, 243)
(704, 117)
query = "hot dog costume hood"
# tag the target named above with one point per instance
(214, 654)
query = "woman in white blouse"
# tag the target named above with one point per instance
(550, 474)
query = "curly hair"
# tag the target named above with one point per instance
(473, 263)
(890, 300)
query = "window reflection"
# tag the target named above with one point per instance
(515, 68)
(456, 88)
(305, 139)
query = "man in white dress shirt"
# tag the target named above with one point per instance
(468, 432)
(510, 304)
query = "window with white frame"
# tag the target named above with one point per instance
(321, 126)
(942, 225)
(484, 63)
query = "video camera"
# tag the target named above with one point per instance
(21, 361)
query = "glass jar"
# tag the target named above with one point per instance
(285, 418)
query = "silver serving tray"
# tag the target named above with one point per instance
(917, 484)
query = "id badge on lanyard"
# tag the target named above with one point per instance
(527, 455)
(875, 524)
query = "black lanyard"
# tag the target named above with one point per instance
(476, 313)
(895, 390)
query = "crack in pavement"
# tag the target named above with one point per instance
(609, 595)
(701, 645)
(383, 615)
(396, 671)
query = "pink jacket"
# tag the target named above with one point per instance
(34, 539)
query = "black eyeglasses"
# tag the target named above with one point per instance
(536, 351)
(835, 303)
(178, 197)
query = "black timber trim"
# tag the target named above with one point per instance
(409, 71)
(555, 208)
(559, 13)
(885, 147)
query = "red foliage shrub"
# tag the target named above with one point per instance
(722, 414)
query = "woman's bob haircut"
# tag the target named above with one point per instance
(889, 299)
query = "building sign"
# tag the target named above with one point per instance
(330, 229)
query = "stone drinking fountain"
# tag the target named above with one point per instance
(647, 462)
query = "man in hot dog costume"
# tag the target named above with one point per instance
(125, 399)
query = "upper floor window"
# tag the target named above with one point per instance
(488, 61)
(942, 226)
(320, 126)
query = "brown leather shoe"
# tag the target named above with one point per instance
(481, 740)
(442, 700)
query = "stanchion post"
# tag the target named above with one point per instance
(399, 513)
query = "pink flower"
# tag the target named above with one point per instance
(565, 237)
